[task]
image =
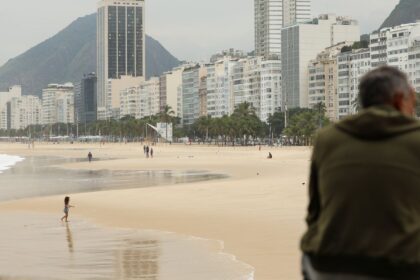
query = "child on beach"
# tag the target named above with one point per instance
(67, 207)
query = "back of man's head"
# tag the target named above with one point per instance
(382, 85)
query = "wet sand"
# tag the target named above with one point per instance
(40, 247)
(258, 211)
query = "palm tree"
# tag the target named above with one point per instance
(246, 120)
(203, 125)
(166, 116)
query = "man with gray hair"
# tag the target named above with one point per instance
(363, 219)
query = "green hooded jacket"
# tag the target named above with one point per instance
(364, 210)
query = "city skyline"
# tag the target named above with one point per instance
(173, 30)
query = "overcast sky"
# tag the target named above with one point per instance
(189, 29)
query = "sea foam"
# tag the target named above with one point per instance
(7, 161)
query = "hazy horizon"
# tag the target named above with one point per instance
(214, 29)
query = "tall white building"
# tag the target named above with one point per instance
(303, 42)
(5, 98)
(400, 39)
(390, 45)
(258, 81)
(190, 96)
(170, 86)
(129, 101)
(58, 104)
(25, 111)
(149, 98)
(120, 50)
(414, 64)
(295, 11)
(219, 97)
(141, 101)
(270, 17)
(323, 80)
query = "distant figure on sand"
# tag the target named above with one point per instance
(151, 152)
(270, 156)
(90, 156)
(67, 207)
(147, 151)
(144, 149)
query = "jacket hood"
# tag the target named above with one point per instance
(378, 122)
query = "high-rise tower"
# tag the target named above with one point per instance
(270, 17)
(120, 46)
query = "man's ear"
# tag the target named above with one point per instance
(398, 101)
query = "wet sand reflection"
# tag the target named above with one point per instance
(139, 260)
(39, 247)
(69, 238)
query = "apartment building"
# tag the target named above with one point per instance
(58, 104)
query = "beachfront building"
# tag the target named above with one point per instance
(142, 100)
(85, 94)
(116, 86)
(232, 53)
(5, 97)
(322, 88)
(414, 64)
(149, 98)
(303, 42)
(220, 100)
(120, 52)
(390, 45)
(352, 65)
(190, 97)
(270, 79)
(129, 102)
(58, 104)
(270, 17)
(170, 86)
(202, 92)
(400, 39)
(247, 82)
(24, 111)
(258, 82)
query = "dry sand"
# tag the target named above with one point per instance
(258, 211)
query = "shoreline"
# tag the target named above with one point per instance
(258, 212)
(116, 253)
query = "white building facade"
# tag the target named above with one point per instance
(5, 98)
(58, 104)
(301, 43)
(219, 88)
(25, 111)
(258, 82)
(270, 17)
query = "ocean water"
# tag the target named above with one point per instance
(7, 161)
(41, 176)
(36, 247)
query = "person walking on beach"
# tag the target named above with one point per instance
(67, 207)
(363, 218)
(147, 151)
(90, 156)
(144, 149)
(151, 152)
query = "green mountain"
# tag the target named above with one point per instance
(68, 55)
(405, 12)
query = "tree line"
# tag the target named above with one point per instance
(243, 127)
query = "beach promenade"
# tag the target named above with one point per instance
(258, 211)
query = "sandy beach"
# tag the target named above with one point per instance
(257, 211)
